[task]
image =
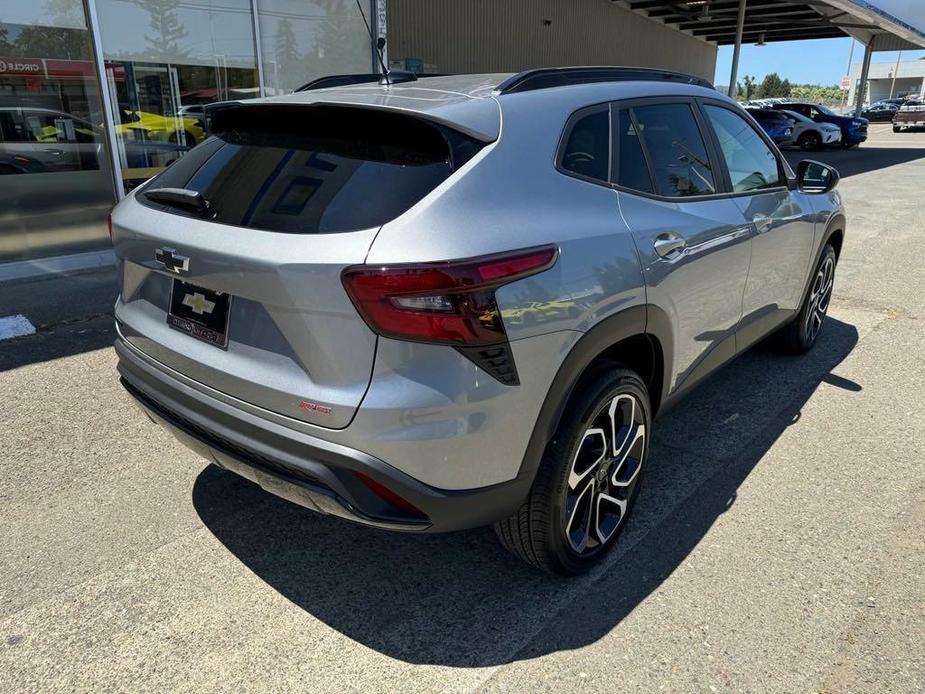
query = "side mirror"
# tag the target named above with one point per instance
(816, 177)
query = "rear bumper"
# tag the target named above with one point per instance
(317, 474)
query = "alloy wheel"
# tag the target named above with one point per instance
(819, 298)
(604, 474)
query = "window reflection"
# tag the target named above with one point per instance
(56, 183)
(302, 41)
(50, 115)
(165, 59)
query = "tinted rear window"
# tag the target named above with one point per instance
(322, 169)
(632, 170)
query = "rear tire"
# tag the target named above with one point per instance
(588, 479)
(800, 334)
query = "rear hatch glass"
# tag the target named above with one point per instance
(315, 169)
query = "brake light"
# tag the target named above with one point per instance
(449, 302)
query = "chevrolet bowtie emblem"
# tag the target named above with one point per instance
(198, 303)
(170, 259)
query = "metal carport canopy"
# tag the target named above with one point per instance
(882, 24)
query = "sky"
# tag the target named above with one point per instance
(820, 61)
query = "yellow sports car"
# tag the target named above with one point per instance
(541, 311)
(144, 126)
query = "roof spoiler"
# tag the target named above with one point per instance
(545, 78)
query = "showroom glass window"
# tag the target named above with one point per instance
(302, 40)
(165, 58)
(56, 183)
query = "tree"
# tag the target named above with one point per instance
(746, 87)
(817, 93)
(5, 46)
(166, 29)
(772, 85)
(288, 59)
(341, 45)
(53, 41)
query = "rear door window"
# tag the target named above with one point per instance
(311, 170)
(680, 164)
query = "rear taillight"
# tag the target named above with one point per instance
(449, 302)
(109, 224)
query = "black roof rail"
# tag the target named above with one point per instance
(548, 77)
(395, 77)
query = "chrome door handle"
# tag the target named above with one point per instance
(762, 223)
(667, 243)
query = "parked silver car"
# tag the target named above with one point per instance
(330, 295)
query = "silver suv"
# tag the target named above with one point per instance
(461, 301)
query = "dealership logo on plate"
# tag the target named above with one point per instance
(198, 303)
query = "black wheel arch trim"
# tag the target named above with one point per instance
(643, 320)
(834, 225)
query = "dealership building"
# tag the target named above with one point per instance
(96, 96)
(903, 78)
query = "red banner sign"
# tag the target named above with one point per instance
(20, 66)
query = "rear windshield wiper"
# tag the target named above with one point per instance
(181, 198)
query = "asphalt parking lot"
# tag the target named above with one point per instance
(777, 545)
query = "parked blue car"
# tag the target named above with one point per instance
(853, 129)
(778, 126)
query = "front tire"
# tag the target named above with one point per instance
(588, 480)
(800, 334)
(810, 141)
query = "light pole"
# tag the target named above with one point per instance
(895, 71)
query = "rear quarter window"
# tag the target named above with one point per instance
(315, 169)
(586, 148)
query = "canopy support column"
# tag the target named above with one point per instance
(740, 26)
(865, 72)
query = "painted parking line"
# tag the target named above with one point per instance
(15, 326)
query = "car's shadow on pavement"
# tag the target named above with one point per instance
(459, 599)
(851, 162)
